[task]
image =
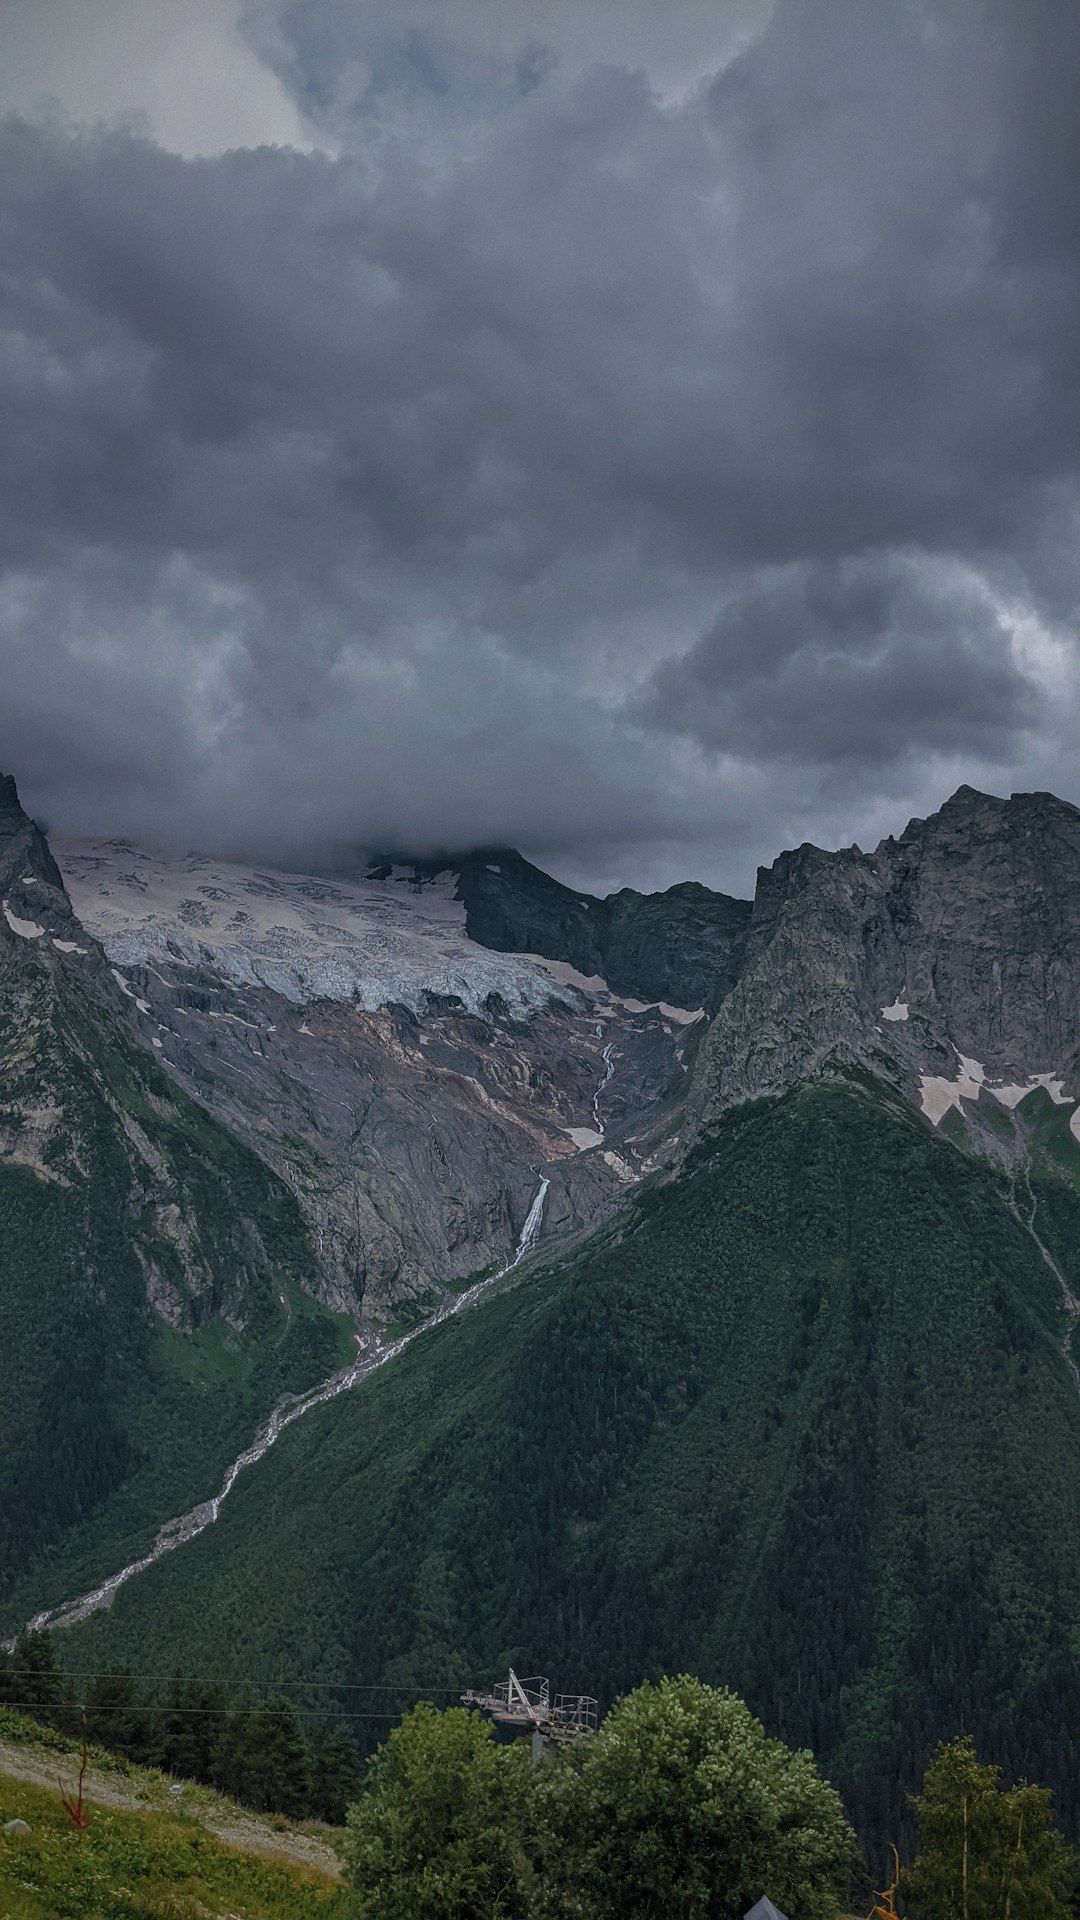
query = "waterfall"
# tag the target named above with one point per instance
(530, 1232)
(608, 1057)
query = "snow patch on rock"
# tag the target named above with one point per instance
(1011, 1096)
(26, 929)
(620, 1167)
(596, 987)
(898, 1011)
(938, 1094)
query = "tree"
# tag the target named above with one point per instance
(434, 1837)
(281, 1751)
(33, 1682)
(190, 1727)
(984, 1854)
(117, 1715)
(334, 1772)
(235, 1765)
(682, 1806)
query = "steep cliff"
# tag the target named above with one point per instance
(408, 1084)
(947, 960)
(153, 1271)
(683, 946)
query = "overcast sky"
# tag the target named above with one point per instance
(646, 435)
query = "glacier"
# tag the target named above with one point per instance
(371, 942)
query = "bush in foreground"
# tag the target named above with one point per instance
(683, 1806)
(438, 1834)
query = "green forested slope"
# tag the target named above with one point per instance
(800, 1422)
(114, 1186)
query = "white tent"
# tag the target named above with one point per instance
(763, 1909)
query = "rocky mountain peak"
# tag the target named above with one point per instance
(957, 941)
(971, 813)
(34, 905)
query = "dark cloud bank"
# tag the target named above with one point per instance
(647, 484)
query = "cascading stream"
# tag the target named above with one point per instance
(187, 1526)
(176, 1533)
(1069, 1301)
(607, 1054)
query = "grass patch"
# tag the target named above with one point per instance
(413, 1313)
(212, 1356)
(298, 1149)
(139, 1866)
(1046, 1127)
(996, 1118)
(20, 1731)
(953, 1128)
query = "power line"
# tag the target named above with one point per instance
(247, 1680)
(212, 1713)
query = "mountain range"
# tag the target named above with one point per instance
(603, 1285)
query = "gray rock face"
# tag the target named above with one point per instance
(81, 1089)
(408, 1084)
(414, 1144)
(35, 912)
(683, 946)
(958, 941)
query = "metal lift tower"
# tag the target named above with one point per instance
(526, 1705)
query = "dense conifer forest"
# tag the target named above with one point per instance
(800, 1422)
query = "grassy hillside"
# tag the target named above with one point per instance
(800, 1423)
(146, 1853)
(151, 1305)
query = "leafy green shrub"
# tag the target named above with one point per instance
(435, 1837)
(682, 1806)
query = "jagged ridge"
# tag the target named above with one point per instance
(958, 940)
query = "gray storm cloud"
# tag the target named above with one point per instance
(649, 478)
